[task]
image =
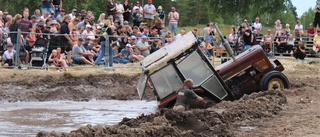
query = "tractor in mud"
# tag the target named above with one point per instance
(167, 68)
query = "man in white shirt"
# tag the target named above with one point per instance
(143, 46)
(73, 14)
(257, 24)
(120, 11)
(149, 11)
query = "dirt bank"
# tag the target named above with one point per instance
(65, 86)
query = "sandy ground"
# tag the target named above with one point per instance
(292, 112)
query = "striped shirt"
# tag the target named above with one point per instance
(172, 20)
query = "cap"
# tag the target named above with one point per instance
(88, 26)
(32, 39)
(159, 7)
(54, 22)
(33, 17)
(86, 17)
(80, 39)
(62, 10)
(78, 14)
(128, 45)
(98, 27)
(101, 24)
(74, 10)
(87, 38)
(52, 12)
(125, 22)
(133, 37)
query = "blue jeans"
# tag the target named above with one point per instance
(246, 47)
(103, 52)
(120, 60)
(43, 10)
(173, 28)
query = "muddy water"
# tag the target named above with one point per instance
(28, 118)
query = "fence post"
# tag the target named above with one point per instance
(163, 41)
(106, 54)
(16, 62)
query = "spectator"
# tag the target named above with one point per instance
(59, 18)
(173, 18)
(1, 20)
(269, 41)
(9, 56)
(37, 14)
(156, 45)
(45, 15)
(262, 44)
(56, 60)
(28, 48)
(232, 37)
(111, 8)
(26, 25)
(102, 18)
(138, 6)
(120, 11)
(207, 48)
(14, 27)
(298, 29)
(205, 32)
(127, 11)
(257, 24)
(311, 30)
(183, 32)
(106, 30)
(281, 43)
(247, 38)
(73, 14)
(46, 6)
(211, 33)
(81, 55)
(65, 39)
(54, 27)
(57, 4)
(290, 43)
(316, 42)
(33, 21)
(74, 23)
(83, 14)
(96, 48)
(300, 52)
(162, 16)
(277, 28)
(149, 11)
(144, 46)
(137, 16)
(258, 36)
(287, 30)
(157, 23)
(125, 55)
(84, 23)
(245, 23)
(317, 16)
(88, 33)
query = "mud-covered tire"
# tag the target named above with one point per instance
(274, 80)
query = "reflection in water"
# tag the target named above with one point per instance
(28, 118)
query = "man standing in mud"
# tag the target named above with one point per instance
(186, 95)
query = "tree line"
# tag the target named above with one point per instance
(192, 12)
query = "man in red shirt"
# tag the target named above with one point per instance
(311, 30)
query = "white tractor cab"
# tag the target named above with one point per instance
(167, 68)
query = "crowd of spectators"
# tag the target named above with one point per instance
(80, 38)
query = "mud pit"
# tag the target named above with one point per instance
(292, 112)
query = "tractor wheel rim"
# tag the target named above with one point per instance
(275, 84)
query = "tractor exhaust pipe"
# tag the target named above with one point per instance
(225, 43)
